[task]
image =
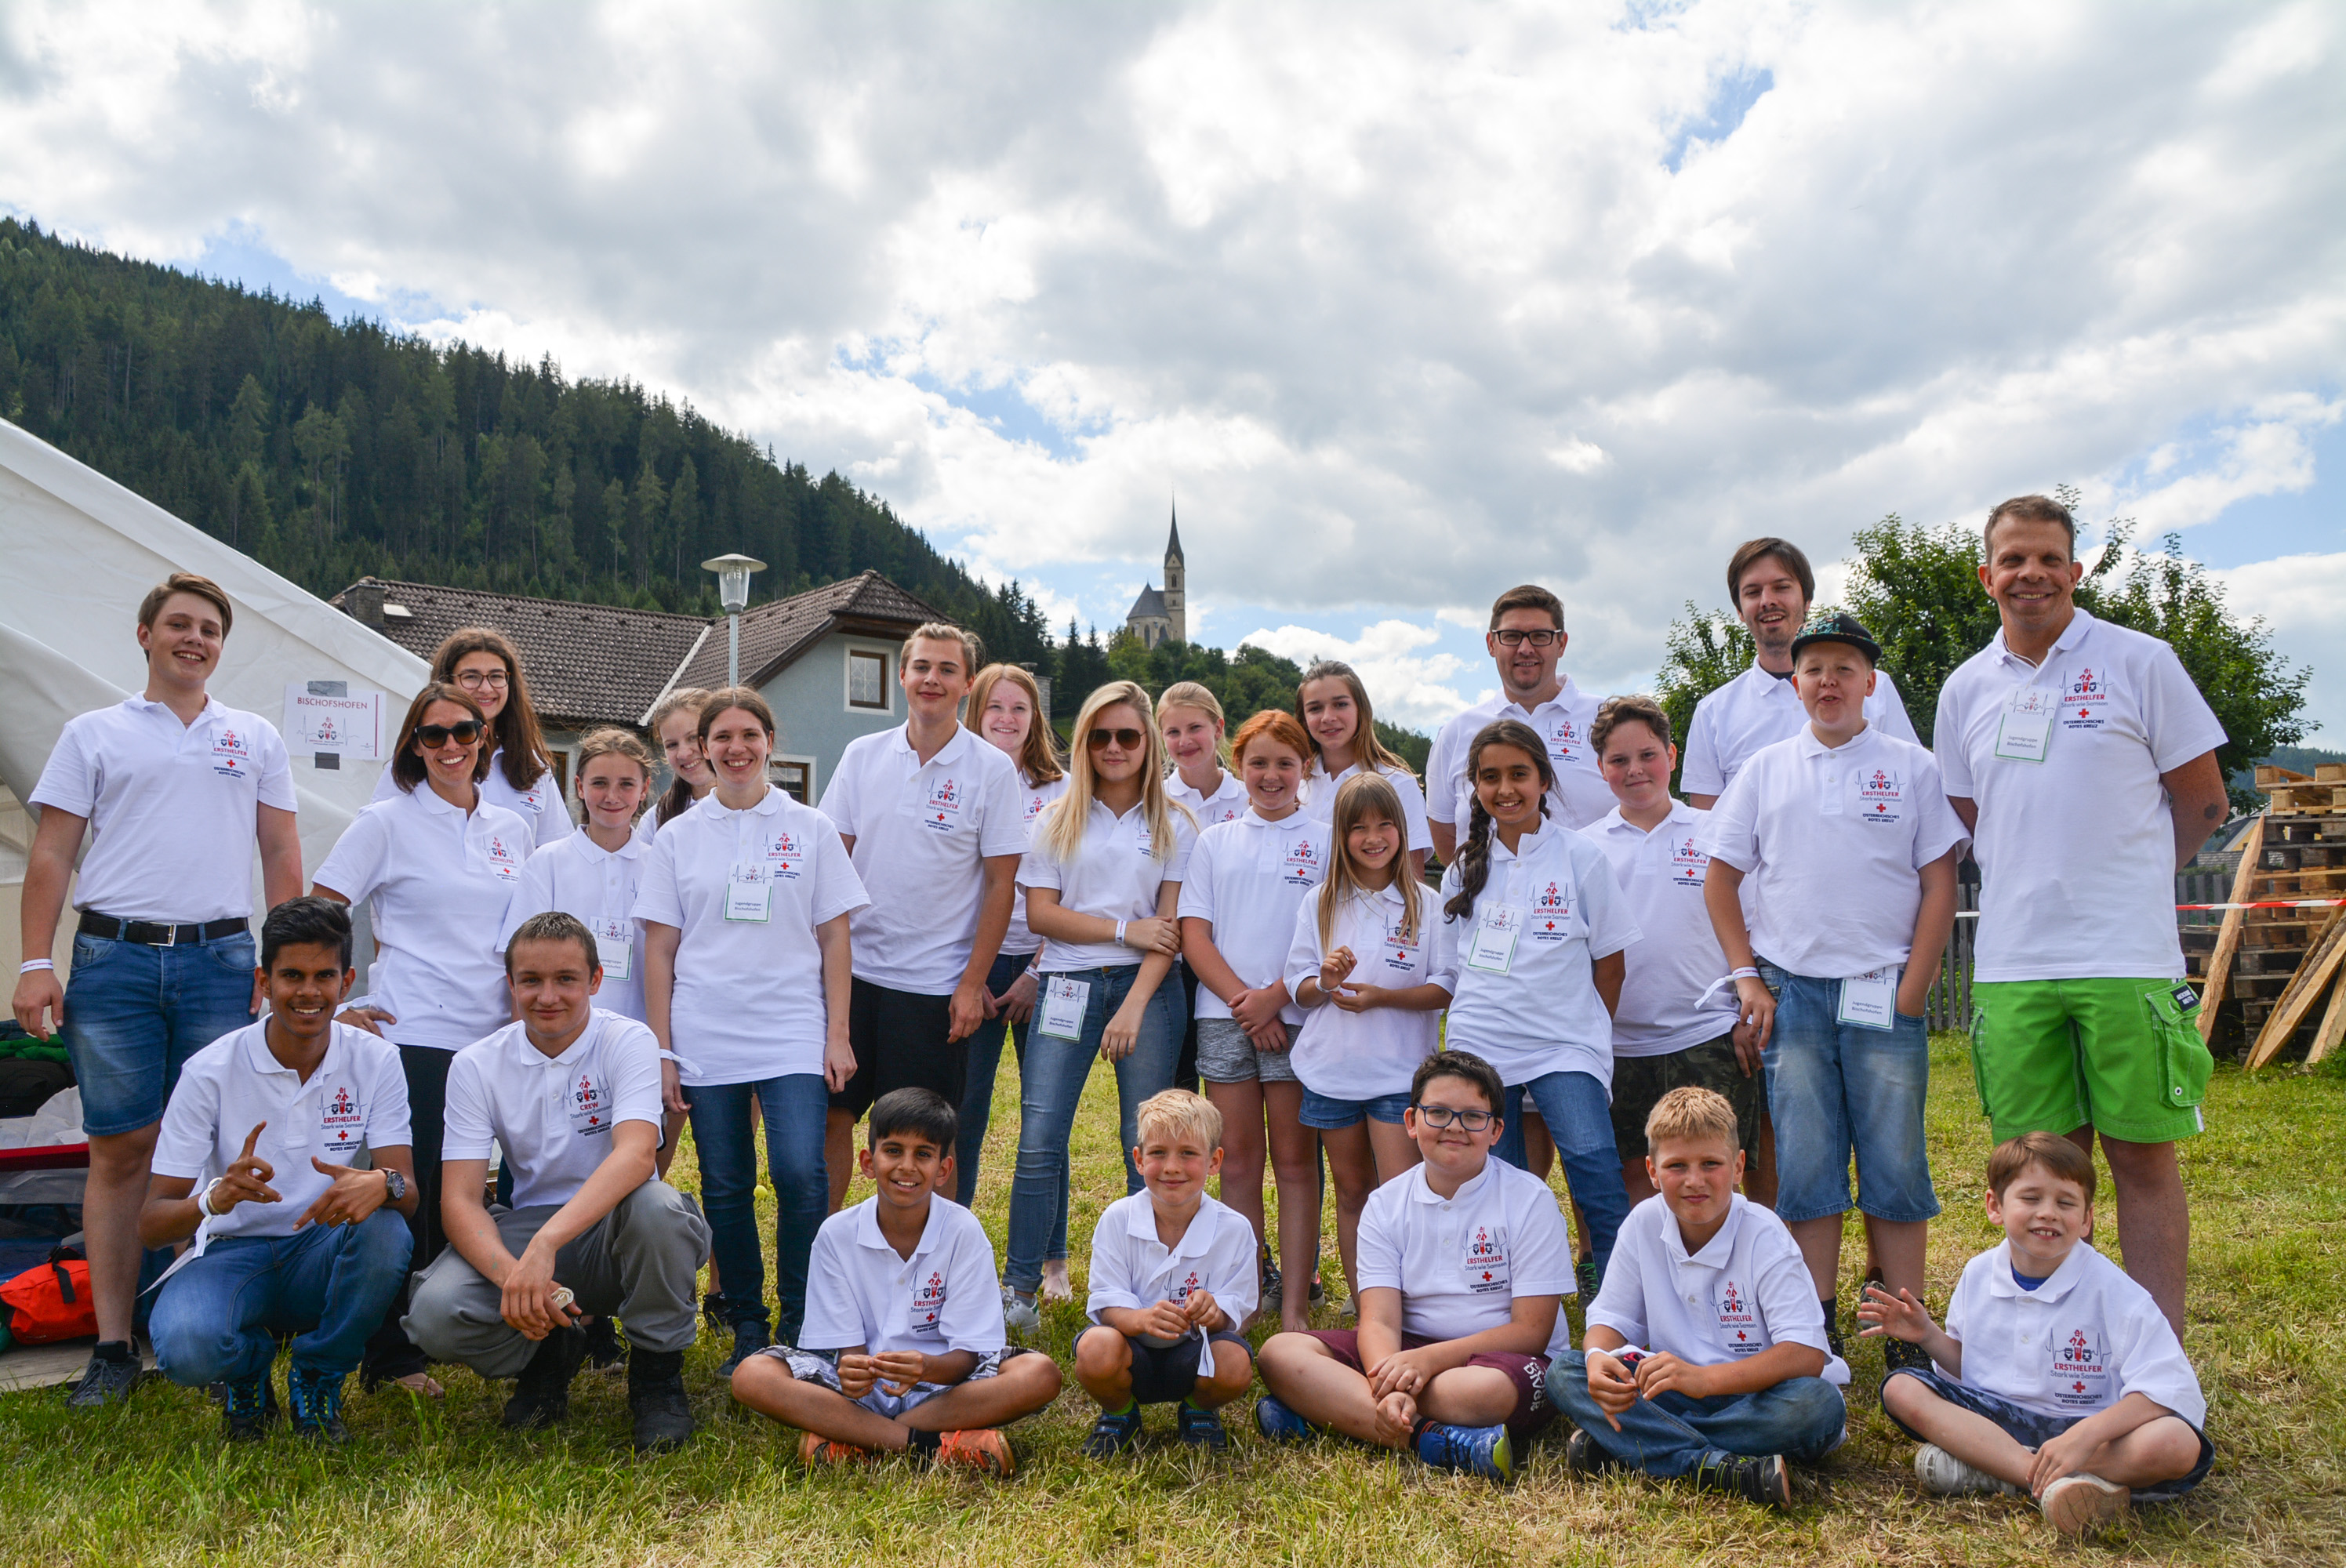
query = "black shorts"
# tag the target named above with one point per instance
(900, 1042)
(1640, 1082)
(1161, 1375)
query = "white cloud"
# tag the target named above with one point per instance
(1406, 684)
(2299, 596)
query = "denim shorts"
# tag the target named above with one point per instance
(2034, 1429)
(1326, 1114)
(1835, 1090)
(135, 1014)
(1227, 1053)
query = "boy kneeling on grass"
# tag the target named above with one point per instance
(1463, 1262)
(2056, 1373)
(904, 1346)
(1734, 1376)
(1173, 1276)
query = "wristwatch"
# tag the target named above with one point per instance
(394, 1185)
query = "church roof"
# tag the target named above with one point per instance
(1173, 545)
(1151, 606)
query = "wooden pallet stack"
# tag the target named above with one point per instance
(2281, 967)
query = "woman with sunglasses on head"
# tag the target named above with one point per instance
(484, 665)
(1103, 883)
(1333, 707)
(436, 864)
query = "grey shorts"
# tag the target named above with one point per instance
(1227, 1054)
(823, 1367)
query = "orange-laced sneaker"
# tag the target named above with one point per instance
(814, 1449)
(982, 1447)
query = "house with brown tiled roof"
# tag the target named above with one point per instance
(825, 659)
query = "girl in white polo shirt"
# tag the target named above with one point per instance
(674, 725)
(1102, 883)
(437, 864)
(594, 873)
(745, 901)
(1361, 963)
(486, 666)
(1246, 880)
(1191, 718)
(1535, 925)
(1333, 707)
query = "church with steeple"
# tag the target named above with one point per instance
(1162, 616)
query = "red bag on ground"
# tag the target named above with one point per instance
(50, 1301)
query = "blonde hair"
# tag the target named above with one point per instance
(1189, 694)
(1038, 754)
(1362, 794)
(971, 650)
(678, 799)
(1689, 1114)
(1062, 836)
(1177, 1113)
(611, 741)
(1370, 754)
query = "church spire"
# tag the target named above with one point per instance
(1173, 545)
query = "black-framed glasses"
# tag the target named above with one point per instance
(464, 732)
(473, 679)
(1128, 739)
(1440, 1116)
(1515, 638)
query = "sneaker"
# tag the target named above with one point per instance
(1019, 1313)
(2079, 1502)
(658, 1403)
(246, 1407)
(1317, 1294)
(1832, 1338)
(542, 1397)
(1469, 1451)
(317, 1400)
(1202, 1429)
(1584, 1455)
(1899, 1356)
(819, 1450)
(112, 1372)
(749, 1337)
(1274, 1420)
(979, 1449)
(1585, 1279)
(1762, 1478)
(1274, 1289)
(1944, 1474)
(1113, 1434)
(606, 1351)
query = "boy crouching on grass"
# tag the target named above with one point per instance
(1464, 1261)
(904, 1346)
(2055, 1373)
(1173, 1276)
(1705, 1352)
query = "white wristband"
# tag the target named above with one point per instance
(1746, 974)
(31, 964)
(1119, 933)
(204, 1203)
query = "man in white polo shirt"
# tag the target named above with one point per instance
(2083, 762)
(1526, 640)
(933, 821)
(173, 791)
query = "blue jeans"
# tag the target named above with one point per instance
(1049, 1091)
(1835, 1088)
(1579, 1118)
(1324, 1114)
(794, 1106)
(1802, 1419)
(218, 1320)
(135, 1014)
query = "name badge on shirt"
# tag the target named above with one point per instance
(2026, 726)
(2081, 1370)
(590, 1107)
(1880, 795)
(1869, 1000)
(1485, 1261)
(1739, 1321)
(1492, 947)
(1064, 1002)
(231, 754)
(928, 1315)
(749, 894)
(503, 861)
(940, 805)
(615, 946)
(342, 1125)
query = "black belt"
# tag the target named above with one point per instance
(159, 933)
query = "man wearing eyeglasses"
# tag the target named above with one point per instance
(174, 792)
(1526, 641)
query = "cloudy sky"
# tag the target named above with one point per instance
(1405, 303)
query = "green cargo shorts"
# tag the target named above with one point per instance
(2124, 1056)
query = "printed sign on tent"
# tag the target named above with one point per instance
(325, 718)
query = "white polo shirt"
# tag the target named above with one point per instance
(1228, 803)
(749, 1002)
(1831, 841)
(1113, 875)
(438, 882)
(540, 806)
(1581, 794)
(2076, 852)
(1031, 800)
(580, 877)
(1531, 1008)
(1132, 1269)
(1756, 709)
(1363, 1055)
(1460, 1262)
(1679, 958)
(1247, 877)
(943, 1298)
(173, 808)
(923, 834)
(1320, 798)
(1746, 1291)
(2078, 1343)
(552, 1115)
(356, 1098)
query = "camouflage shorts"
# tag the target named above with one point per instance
(1641, 1081)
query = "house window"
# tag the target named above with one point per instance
(867, 681)
(794, 777)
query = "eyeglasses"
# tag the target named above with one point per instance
(1513, 638)
(1128, 739)
(473, 679)
(464, 732)
(1439, 1117)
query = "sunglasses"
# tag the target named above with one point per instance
(464, 732)
(1128, 739)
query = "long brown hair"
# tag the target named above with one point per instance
(1038, 754)
(407, 769)
(677, 797)
(609, 741)
(1365, 795)
(1371, 754)
(1475, 855)
(1062, 835)
(516, 725)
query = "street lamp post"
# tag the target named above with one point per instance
(733, 593)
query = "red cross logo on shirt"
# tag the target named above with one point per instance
(2077, 1388)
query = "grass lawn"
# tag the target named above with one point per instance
(424, 1486)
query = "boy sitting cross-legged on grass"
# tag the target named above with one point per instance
(1706, 1351)
(904, 1346)
(1173, 1276)
(2055, 1373)
(1463, 1262)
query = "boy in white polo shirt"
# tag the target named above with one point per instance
(1851, 848)
(173, 791)
(571, 1095)
(1464, 1262)
(2056, 1373)
(903, 1347)
(1706, 1353)
(258, 1160)
(933, 821)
